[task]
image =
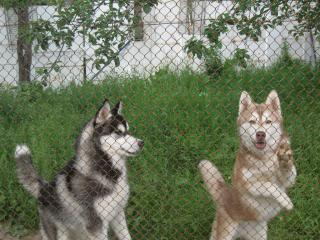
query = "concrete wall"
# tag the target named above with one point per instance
(165, 34)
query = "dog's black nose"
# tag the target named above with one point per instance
(140, 143)
(260, 135)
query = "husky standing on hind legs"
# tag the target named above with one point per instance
(263, 171)
(91, 191)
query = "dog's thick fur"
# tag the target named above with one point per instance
(263, 171)
(91, 192)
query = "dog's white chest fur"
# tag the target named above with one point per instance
(262, 175)
(264, 169)
(112, 203)
(109, 206)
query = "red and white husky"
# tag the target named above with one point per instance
(263, 171)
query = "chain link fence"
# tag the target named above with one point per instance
(135, 170)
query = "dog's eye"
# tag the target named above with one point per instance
(268, 122)
(252, 121)
(120, 133)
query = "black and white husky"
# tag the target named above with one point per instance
(91, 192)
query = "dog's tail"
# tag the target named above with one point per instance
(214, 181)
(27, 175)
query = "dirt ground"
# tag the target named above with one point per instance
(34, 236)
(5, 236)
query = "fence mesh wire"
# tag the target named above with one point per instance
(135, 169)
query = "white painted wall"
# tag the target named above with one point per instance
(166, 33)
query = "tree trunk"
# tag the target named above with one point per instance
(138, 21)
(24, 49)
(313, 49)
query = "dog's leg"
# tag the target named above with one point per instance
(268, 189)
(254, 230)
(288, 171)
(224, 228)
(62, 235)
(48, 229)
(62, 232)
(119, 226)
(288, 177)
(93, 221)
(101, 232)
(43, 234)
(100, 235)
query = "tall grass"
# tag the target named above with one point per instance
(182, 117)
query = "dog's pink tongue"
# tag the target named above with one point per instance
(260, 145)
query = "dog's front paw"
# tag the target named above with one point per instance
(285, 155)
(285, 202)
(289, 205)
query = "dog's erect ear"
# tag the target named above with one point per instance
(245, 101)
(273, 102)
(117, 109)
(103, 114)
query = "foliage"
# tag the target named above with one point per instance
(107, 32)
(211, 56)
(250, 17)
(182, 118)
(241, 57)
(23, 3)
(213, 62)
(285, 57)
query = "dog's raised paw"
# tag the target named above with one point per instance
(289, 206)
(285, 155)
(285, 202)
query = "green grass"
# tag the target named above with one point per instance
(182, 117)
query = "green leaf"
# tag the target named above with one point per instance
(147, 8)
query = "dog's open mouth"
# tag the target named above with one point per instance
(260, 144)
